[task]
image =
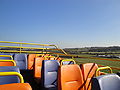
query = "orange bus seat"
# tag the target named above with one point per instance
(88, 71)
(58, 58)
(70, 77)
(31, 58)
(2, 63)
(38, 67)
(16, 86)
(51, 58)
(54, 58)
(7, 60)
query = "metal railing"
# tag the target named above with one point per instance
(20, 47)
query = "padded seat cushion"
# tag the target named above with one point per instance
(21, 61)
(16, 86)
(70, 77)
(67, 62)
(38, 67)
(49, 73)
(31, 58)
(106, 82)
(9, 79)
(5, 58)
(9, 69)
(88, 71)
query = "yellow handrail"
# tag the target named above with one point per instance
(27, 47)
(14, 63)
(39, 55)
(26, 43)
(49, 57)
(21, 46)
(102, 68)
(15, 51)
(7, 56)
(13, 73)
(67, 60)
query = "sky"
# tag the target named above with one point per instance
(66, 23)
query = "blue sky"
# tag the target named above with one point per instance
(67, 23)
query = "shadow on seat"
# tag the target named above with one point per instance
(88, 71)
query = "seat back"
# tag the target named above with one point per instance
(67, 62)
(106, 82)
(31, 58)
(6, 57)
(70, 77)
(6, 54)
(7, 63)
(58, 58)
(38, 67)
(88, 71)
(16, 86)
(9, 68)
(7, 60)
(49, 74)
(10, 74)
(21, 61)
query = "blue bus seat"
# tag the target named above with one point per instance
(11, 54)
(9, 79)
(106, 82)
(21, 61)
(49, 74)
(5, 58)
(9, 68)
(67, 62)
(5, 54)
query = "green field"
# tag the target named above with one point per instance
(115, 64)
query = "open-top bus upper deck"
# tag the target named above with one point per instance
(31, 66)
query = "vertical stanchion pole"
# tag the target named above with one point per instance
(72, 57)
(20, 48)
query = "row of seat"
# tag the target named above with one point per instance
(58, 75)
(24, 61)
(34, 57)
(38, 65)
(75, 77)
(67, 77)
(43, 66)
(6, 79)
(10, 77)
(32, 61)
